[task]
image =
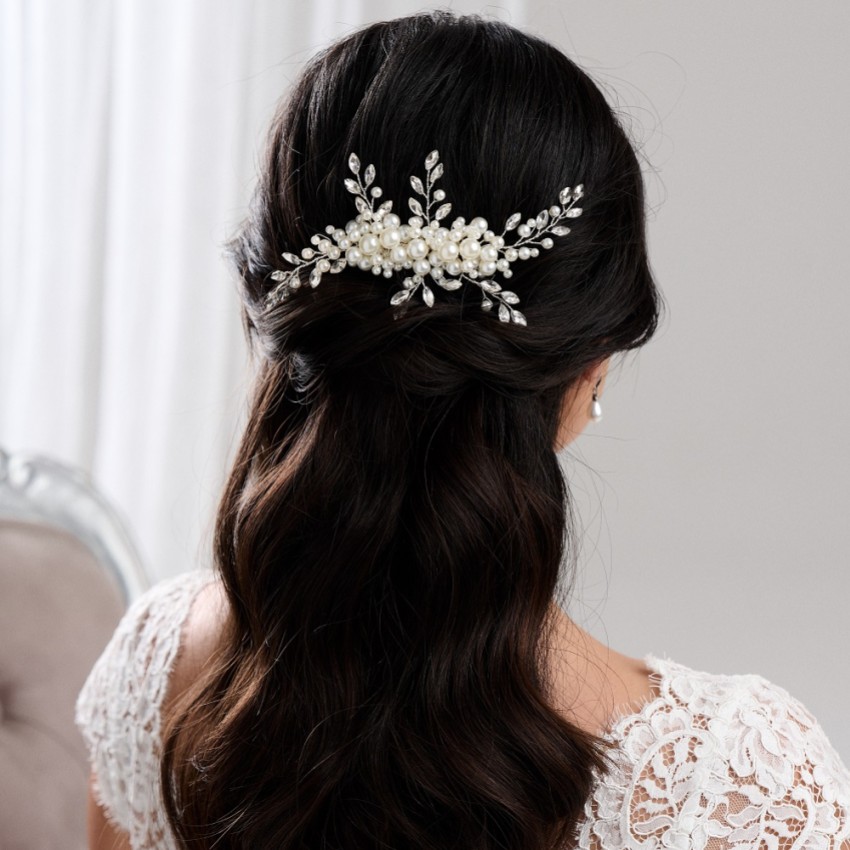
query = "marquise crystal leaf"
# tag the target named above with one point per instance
(564, 197)
(575, 212)
(510, 297)
(431, 160)
(415, 207)
(513, 221)
(361, 205)
(519, 318)
(543, 219)
(401, 295)
(504, 313)
(437, 173)
(354, 163)
(450, 283)
(280, 276)
(417, 185)
(560, 230)
(352, 186)
(385, 207)
(339, 265)
(427, 295)
(369, 175)
(442, 211)
(315, 278)
(292, 258)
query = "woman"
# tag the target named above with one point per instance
(378, 660)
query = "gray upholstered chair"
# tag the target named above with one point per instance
(68, 569)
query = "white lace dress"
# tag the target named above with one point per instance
(714, 762)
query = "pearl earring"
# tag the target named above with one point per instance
(595, 406)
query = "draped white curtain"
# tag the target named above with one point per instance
(128, 146)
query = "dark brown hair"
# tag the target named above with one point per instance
(391, 533)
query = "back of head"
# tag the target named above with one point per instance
(391, 534)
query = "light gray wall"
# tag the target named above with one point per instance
(715, 491)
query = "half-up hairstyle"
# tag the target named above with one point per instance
(391, 533)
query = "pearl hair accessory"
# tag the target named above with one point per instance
(377, 241)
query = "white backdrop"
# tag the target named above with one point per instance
(713, 492)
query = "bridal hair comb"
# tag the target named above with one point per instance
(377, 241)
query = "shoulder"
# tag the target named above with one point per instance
(760, 729)
(729, 757)
(147, 638)
(200, 633)
(118, 708)
(767, 735)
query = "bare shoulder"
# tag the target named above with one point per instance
(199, 639)
(592, 684)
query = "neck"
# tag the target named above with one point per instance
(591, 684)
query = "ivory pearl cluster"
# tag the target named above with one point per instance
(376, 240)
(387, 244)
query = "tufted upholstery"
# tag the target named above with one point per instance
(57, 609)
(67, 573)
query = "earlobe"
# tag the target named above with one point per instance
(581, 403)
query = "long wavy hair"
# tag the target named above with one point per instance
(391, 533)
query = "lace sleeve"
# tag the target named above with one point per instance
(720, 763)
(118, 709)
(788, 785)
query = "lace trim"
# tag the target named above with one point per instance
(118, 709)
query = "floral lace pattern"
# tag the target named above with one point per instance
(712, 763)
(716, 763)
(118, 709)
